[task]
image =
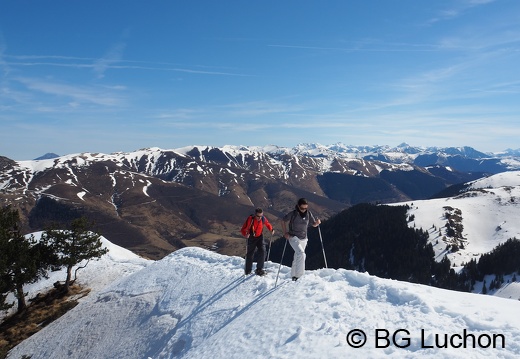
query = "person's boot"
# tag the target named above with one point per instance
(260, 272)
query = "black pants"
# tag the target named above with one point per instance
(254, 243)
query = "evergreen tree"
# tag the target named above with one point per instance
(484, 288)
(376, 239)
(501, 260)
(493, 284)
(75, 245)
(4, 284)
(23, 260)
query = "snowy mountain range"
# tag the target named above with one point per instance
(154, 201)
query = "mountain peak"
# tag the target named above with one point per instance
(47, 156)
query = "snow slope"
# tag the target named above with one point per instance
(490, 209)
(197, 304)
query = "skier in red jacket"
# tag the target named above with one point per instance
(253, 230)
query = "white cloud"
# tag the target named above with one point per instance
(81, 94)
(458, 8)
(113, 56)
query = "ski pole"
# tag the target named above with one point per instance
(245, 257)
(269, 250)
(281, 260)
(322, 248)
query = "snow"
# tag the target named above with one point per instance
(505, 179)
(195, 303)
(489, 211)
(145, 188)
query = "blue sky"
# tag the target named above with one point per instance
(107, 76)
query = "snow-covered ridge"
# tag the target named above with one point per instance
(497, 181)
(197, 304)
(402, 154)
(270, 161)
(213, 168)
(487, 210)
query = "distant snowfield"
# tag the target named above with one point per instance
(197, 304)
(489, 211)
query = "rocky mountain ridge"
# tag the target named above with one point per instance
(154, 201)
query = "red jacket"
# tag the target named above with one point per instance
(252, 222)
